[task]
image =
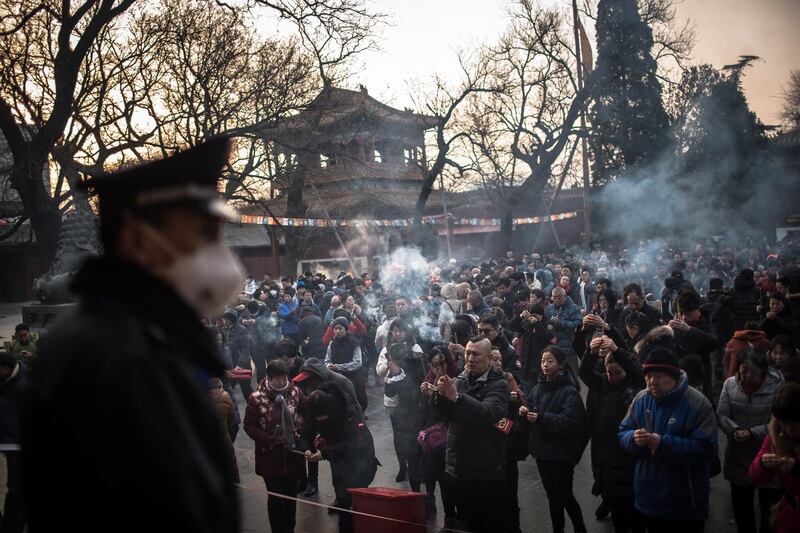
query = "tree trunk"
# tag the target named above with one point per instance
(45, 217)
(506, 228)
(295, 207)
(291, 251)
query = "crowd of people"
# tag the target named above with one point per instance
(122, 417)
(482, 365)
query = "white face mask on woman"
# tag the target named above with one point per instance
(207, 280)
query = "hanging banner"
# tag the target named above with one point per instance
(296, 222)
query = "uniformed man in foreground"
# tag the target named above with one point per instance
(118, 433)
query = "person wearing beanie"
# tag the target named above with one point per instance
(232, 315)
(351, 322)
(344, 356)
(671, 429)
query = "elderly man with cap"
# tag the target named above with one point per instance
(671, 428)
(118, 431)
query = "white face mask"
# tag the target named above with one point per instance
(208, 280)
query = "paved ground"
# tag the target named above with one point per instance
(311, 519)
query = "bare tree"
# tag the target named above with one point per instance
(517, 138)
(219, 78)
(83, 90)
(333, 31)
(790, 113)
(446, 104)
(33, 122)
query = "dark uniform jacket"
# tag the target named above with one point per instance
(118, 430)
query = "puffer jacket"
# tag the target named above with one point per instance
(741, 340)
(409, 415)
(606, 406)
(15, 347)
(237, 340)
(535, 338)
(561, 432)
(262, 422)
(317, 368)
(786, 515)
(672, 483)
(700, 340)
(737, 410)
(569, 318)
(225, 409)
(289, 318)
(345, 442)
(476, 449)
(744, 300)
(782, 324)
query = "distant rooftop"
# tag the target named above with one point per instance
(334, 106)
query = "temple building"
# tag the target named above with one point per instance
(349, 156)
(352, 155)
(346, 156)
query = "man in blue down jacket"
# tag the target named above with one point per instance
(563, 316)
(672, 430)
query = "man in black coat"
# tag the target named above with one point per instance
(474, 405)
(779, 319)
(744, 299)
(236, 339)
(311, 333)
(636, 302)
(694, 334)
(535, 337)
(613, 379)
(489, 327)
(117, 430)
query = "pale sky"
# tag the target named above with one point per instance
(424, 36)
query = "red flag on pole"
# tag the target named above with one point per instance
(586, 51)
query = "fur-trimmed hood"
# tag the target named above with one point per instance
(658, 337)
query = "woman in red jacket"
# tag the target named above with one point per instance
(273, 420)
(780, 456)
